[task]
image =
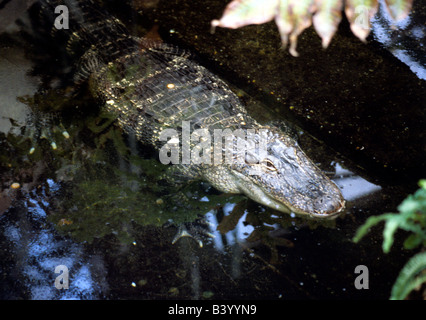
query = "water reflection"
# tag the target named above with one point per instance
(404, 39)
(37, 250)
(351, 185)
(235, 236)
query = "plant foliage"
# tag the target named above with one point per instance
(294, 16)
(412, 218)
(411, 277)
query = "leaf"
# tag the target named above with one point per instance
(398, 9)
(412, 241)
(294, 16)
(370, 222)
(327, 18)
(410, 204)
(390, 227)
(359, 14)
(422, 184)
(411, 277)
(240, 13)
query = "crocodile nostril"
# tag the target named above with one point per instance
(327, 204)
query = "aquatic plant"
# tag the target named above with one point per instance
(294, 16)
(411, 218)
(411, 277)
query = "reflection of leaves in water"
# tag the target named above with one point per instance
(269, 227)
(230, 221)
(106, 200)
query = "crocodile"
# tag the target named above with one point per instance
(150, 86)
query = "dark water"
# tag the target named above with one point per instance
(95, 204)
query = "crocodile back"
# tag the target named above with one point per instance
(153, 90)
(148, 85)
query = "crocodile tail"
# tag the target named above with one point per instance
(88, 25)
(91, 38)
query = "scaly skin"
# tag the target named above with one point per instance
(151, 87)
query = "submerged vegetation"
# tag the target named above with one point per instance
(294, 16)
(411, 218)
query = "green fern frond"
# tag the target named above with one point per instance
(411, 217)
(372, 221)
(411, 277)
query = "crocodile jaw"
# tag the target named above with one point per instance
(231, 181)
(257, 194)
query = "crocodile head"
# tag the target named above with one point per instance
(283, 178)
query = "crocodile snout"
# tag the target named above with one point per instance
(328, 205)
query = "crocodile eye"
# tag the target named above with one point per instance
(251, 159)
(268, 164)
